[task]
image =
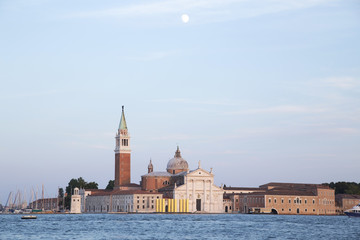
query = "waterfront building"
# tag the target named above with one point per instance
(45, 204)
(344, 202)
(288, 198)
(75, 202)
(186, 191)
(122, 201)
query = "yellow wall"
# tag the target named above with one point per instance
(172, 205)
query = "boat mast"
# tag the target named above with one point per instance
(43, 201)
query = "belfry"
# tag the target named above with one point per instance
(122, 154)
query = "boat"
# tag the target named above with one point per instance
(29, 217)
(353, 212)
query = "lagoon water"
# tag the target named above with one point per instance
(175, 226)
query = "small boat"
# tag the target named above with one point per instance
(29, 217)
(354, 212)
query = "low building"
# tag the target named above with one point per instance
(46, 204)
(288, 198)
(122, 201)
(344, 202)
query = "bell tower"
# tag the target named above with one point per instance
(122, 154)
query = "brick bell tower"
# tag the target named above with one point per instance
(122, 154)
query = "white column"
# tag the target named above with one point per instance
(211, 203)
(193, 196)
(204, 204)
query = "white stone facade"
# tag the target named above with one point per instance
(75, 205)
(203, 194)
(137, 202)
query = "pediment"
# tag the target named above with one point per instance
(200, 172)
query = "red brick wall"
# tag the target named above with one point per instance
(154, 182)
(122, 169)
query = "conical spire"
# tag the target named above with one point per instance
(122, 125)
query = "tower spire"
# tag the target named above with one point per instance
(122, 125)
(122, 154)
(177, 153)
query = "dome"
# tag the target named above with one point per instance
(177, 163)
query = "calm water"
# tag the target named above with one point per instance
(166, 226)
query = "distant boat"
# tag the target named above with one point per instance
(29, 217)
(354, 212)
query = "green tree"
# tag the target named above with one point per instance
(345, 187)
(110, 185)
(79, 183)
(91, 185)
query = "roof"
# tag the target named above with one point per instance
(130, 185)
(348, 196)
(241, 188)
(293, 192)
(122, 125)
(165, 174)
(294, 185)
(158, 174)
(121, 192)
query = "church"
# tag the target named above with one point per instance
(177, 189)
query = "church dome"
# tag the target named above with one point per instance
(177, 164)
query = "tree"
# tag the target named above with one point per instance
(91, 185)
(61, 193)
(61, 198)
(79, 183)
(110, 185)
(345, 187)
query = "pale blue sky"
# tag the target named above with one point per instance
(259, 90)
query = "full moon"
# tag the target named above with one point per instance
(185, 18)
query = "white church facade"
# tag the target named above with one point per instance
(202, 193)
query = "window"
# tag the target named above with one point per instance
(313, 201)
(274, 200)
(313, 210)
(305, 201)
(289, 209)
(137, 206)
(289, 200)
(143, 206)
(282, 201)
(305, 209)
(269, 200)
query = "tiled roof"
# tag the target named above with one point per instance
(292, 192)
(158, 174)
(240, 188)
(120, 192)
(349, 196)
(293, 185)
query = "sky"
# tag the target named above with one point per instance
(261, 91)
